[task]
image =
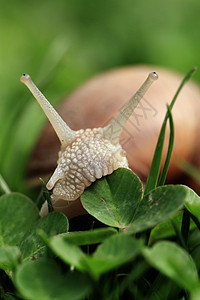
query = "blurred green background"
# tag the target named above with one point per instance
(62, 43)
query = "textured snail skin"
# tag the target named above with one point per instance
(89, 157)
(85, 155)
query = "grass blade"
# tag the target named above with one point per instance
(185, 79)
(156, 162)
(4, 189)
(169, 151)
(189, 169)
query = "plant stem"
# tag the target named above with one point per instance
(179, 235)
(196, 221)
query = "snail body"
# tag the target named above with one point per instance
(89, 157)
(85, 154)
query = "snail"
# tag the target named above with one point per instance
(86, 154)
(101, 98)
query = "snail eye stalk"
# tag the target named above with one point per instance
(117, 125)
(65, 134)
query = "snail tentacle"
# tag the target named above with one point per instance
(65, 134)
(114, 129)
